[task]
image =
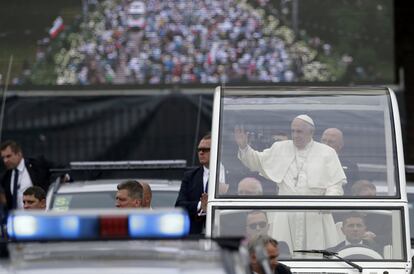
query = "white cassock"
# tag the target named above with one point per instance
(315, 170)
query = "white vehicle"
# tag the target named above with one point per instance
(117, 241)
(95, 183)
(101, 194)
(410, 197)
(136, 15)
(312, 225)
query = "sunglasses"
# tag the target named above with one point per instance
(203, 149)
(260, 225)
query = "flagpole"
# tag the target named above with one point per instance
(3, 103)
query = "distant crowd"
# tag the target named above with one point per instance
(185, 42)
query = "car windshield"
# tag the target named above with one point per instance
(310, 143)
(354, 233)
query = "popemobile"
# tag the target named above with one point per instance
(321, 170)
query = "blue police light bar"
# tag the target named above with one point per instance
(87, 225)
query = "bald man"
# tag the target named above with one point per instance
(249, 186)
(300, 166)
(147, 195)
(334, 138)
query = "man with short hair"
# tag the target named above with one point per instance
(272, 250)
(34, 197)
(21, 173)
(355, 231)
(194, 187)
(256, 224)
(129, 195)
(249, 186)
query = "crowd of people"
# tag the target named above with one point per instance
(185, 42)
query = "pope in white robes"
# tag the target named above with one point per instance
(299, 166)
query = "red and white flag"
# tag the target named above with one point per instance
(57, 27)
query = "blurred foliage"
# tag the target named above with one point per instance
(360, 33)
(361, 29)
(23, 23)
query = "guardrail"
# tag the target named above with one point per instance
(122, 165)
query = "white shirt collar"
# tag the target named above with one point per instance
(206, 175)
(348, 243)
(20, 166)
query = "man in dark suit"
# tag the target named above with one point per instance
(355, 231)
(265, 262)
(193, 191)
(257, 224)
(21, 173)
(334, 138)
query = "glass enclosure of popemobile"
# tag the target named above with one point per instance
(317, 169)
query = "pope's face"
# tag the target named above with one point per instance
(301, 132)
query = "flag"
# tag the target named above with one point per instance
(57, 27)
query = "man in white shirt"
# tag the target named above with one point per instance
(21, 173)
(300, 166)
(193, 194)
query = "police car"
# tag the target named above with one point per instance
(121, 241)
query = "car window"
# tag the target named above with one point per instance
(163, 199)
(84, 200)
(107, 200)
(365, 162)
(380, 231)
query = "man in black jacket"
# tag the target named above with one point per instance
(193, 191)
(355, 231)
(264, 253)
(334, 138)
(21, 173)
